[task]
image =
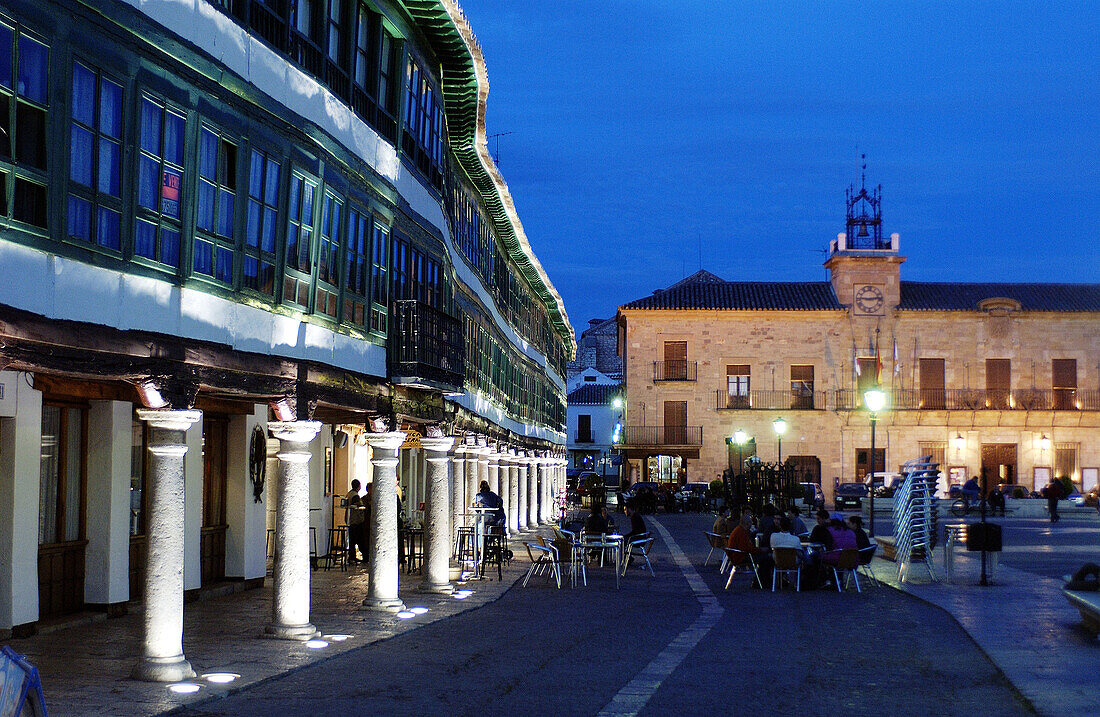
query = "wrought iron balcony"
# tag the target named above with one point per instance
(976, 399)
(426, 347)
(770, 400)
(675, 370)
(663, 435)
(582, 436)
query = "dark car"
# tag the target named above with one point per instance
(812, 497)
(644, 494)
(849, 496)
(1012, 490)
(691, 497)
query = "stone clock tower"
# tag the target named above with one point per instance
(863, 266)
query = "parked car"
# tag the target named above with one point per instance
(1014, 490)
(849, 496)
(885, 482)
(812, 498)
(692, 497)
(644, 494)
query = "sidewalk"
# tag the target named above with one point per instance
(1023, 623)
(85, 669)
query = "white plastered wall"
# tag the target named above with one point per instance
(20, 448)
(107, 557)
(246, 537)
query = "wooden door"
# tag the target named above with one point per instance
(676, 422)
(863, 462)
(998, 377)
(932, 394)
(676, 353)
(61, 529)
(1064, 383)
(999, 463)
(215, 432)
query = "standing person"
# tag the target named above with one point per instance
(355, 516)
(1053, 494)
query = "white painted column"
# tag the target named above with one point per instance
(246, 538)
(290, 606)
(107, 557)
(532, 490)
(162, 657)
(513, 492)
(192, 513)
(437, 518)
(382, 588)
(476, 471)
(520, 468)
(20, 479)
(547, 512)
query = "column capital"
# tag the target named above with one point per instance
(295, 431)
(169, 419)
(386, 441)
(481, 453)
(437, 445)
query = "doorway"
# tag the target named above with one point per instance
(61, 518)
(806, 468)
(215, 454)
(863, 462)
(999, 463)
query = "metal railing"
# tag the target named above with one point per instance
(663, 435)
(582, 437)
(675, 370)
(426, 343)
(771, 400)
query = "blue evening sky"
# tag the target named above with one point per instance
(654, 138)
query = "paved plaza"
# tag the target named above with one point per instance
(653, 647)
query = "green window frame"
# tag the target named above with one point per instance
(357, 267)
(162, 186)
(379, 278)
(95, 158)
(330, 243)
(300, 228)
(261, 224)
(24, 109)
(214, 247)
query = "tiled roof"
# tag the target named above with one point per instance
(935, 296)
(750, 295)
(595, 395)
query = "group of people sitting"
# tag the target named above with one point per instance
(787, 530)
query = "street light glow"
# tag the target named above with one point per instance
(874, 400)
(617, 403)
(780, 426)
(739, 437)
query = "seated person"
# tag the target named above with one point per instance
(997, 501)
(722, 524)
(855, 524)
(797, 526)
(820, 534)
(741, 538)
(783, 538)
(637, 525)
(596, 522)
(767, 521)
(970, 490)
(843, 539)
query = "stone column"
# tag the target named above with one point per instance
(519, 465)
(437, 518)
(532, 491)
(162, 657)
(382, 592)
(547, 496)
(477, 468)
(456, 481)
(513, 492)
(290, 606)
(493, 473)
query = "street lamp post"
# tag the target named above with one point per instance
(874, 400)
(780, 427)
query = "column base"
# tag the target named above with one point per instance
(383, 604)
(438, 588)
(300, 633)
(162, 669)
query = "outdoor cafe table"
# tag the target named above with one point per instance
(614, 543)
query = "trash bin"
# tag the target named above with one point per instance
(983, 536)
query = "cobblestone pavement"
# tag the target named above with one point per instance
(543, 651)
(85, 669)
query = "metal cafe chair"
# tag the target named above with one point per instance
(866, 555)
(848, 563)
(641, 547)
(546, 559)
(787, 562)
(741, 558)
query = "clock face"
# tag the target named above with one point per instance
(869, 299)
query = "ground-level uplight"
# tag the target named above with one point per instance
(221, 678)
(316, 644)
(336, 638)
(184, 688)
(418, 610)
(406, 614)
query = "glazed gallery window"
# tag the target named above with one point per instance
(328, 258)
(379, 300)
(24, 63)
(299, 240)
(357, 267)
(95, 150)
(213, 247)
(160, 183)
(375, 72)
(263, 215)
(61, 486)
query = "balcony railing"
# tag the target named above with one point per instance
(663, 435)
(582, 437)
(675, 370)
(771, 400)
(425, 343)
(976, 399)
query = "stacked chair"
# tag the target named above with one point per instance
(915, 520)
